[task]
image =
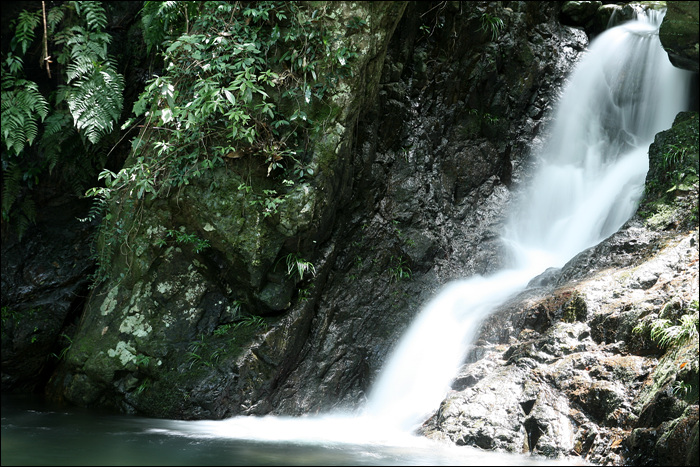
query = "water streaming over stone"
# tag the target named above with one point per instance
(592, 171)
(589, 181)
(590, 178)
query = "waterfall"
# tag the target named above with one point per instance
(588, 183)
(592, 172)
(589, 180)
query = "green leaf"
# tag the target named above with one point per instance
(229, 96)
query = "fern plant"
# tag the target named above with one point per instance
(297, 265)
(492, 25)
(56, 126)
(24, 27)
(673, 334)
(163, 21)
(95, 98)
(23, 109)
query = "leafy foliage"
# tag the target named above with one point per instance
(491, 25)
(399, 270)
(198, 244)
(164, 21)
(23, 108)
(671, 188)
(243, 84)
(95, 99)
(24, 26)
(68, 119)
(240, 81)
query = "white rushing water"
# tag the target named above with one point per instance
(588, 183)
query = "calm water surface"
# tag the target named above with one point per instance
(35, 432)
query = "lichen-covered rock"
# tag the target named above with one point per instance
(679, 34)
(200, 283)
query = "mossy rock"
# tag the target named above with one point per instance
(575, 309)
(672, 180)
(679, 34)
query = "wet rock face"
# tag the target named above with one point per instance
(45, 279)
(408, 197)
(171, 318)
(595, 386)
(679, 34)
(579, 13)
(458, 108)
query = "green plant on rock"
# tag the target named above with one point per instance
(305, 293)
(677, 162)
(196, 350)
(672, 182)
(142, 360)
(239, 81)
(208, 352)
(356, 23)
(672, 334)
(145, 384)
(682, 389)
(198, 244)
(245, 85)
(298, 266)
(13, 317)
(491, 25)
(400, 270)
(65, 349)
(251, 322)
(269, 201)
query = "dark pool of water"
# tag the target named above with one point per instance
(35, 432)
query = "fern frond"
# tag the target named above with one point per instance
(94, 14)
(54, 17)
(26, 216)
(58, 127)
(95, 100)
(14, 63)
(57, 122)
(10, 190)
(24, 30)
(22, 107)
(80, 68)
(159, 20)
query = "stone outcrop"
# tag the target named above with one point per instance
(679, 34)
(450, 131)
(566, 371)
(570, 367)
(45, 282)
(405, 198)
(180, 332)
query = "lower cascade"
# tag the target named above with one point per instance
(588, 183)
